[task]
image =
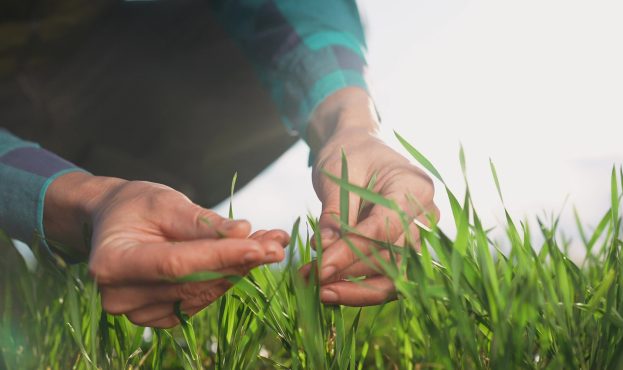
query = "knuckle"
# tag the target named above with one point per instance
(171, 267)
(384, 229)
(425, 192)
(204, 217)
(160, 198)
(349, 256)
(219, 258)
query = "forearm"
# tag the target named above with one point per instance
(347, 111)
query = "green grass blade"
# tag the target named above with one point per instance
(188, 331)
(419, 157)
(231, 195)
(364, 193)
(494, 172)
(344, 201)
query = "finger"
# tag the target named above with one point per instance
(411, 237)
(279, 236)
(157, 262)
(375, 290)
(373, 265)
(188, 221)
(257, 234)
(151, 313)
(431, 215)
(206, 297)
(168, 322)
(158, 311)
(171, 320)
(121, 299)
(382, 224)
(367, 268)
(341, 255)
(160, 320)
(329, 221)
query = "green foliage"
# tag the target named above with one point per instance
(462, 304)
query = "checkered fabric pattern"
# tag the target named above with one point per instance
(26, 171)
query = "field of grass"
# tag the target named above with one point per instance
(463, 303)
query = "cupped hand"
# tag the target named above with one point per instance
(396, 179)
(146, 235)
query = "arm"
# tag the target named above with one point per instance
(310, 54)
(144, 235)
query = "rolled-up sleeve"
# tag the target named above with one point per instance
(26, 171)
(303, 50)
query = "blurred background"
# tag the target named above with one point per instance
(537, 86)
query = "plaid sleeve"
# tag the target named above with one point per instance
(26, 171)
(303, 50)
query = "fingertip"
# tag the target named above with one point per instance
(371, 291)
(235, 228)
(329, 296)
(258, 234)
(279, 236)
(274, 251)
(326, 235)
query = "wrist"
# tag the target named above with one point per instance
(349, 110)
(70, 203)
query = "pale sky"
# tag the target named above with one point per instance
(537, 85)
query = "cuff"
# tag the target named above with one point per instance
(313, 74)
(26, 173)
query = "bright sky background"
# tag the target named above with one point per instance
(537, 85)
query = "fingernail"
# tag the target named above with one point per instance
(326, 272)
(328, 296)
(253, 256)
(228, 225)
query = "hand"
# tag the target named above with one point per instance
(354, 132)
(145, 235)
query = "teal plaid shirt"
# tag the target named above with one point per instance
(303, 51)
